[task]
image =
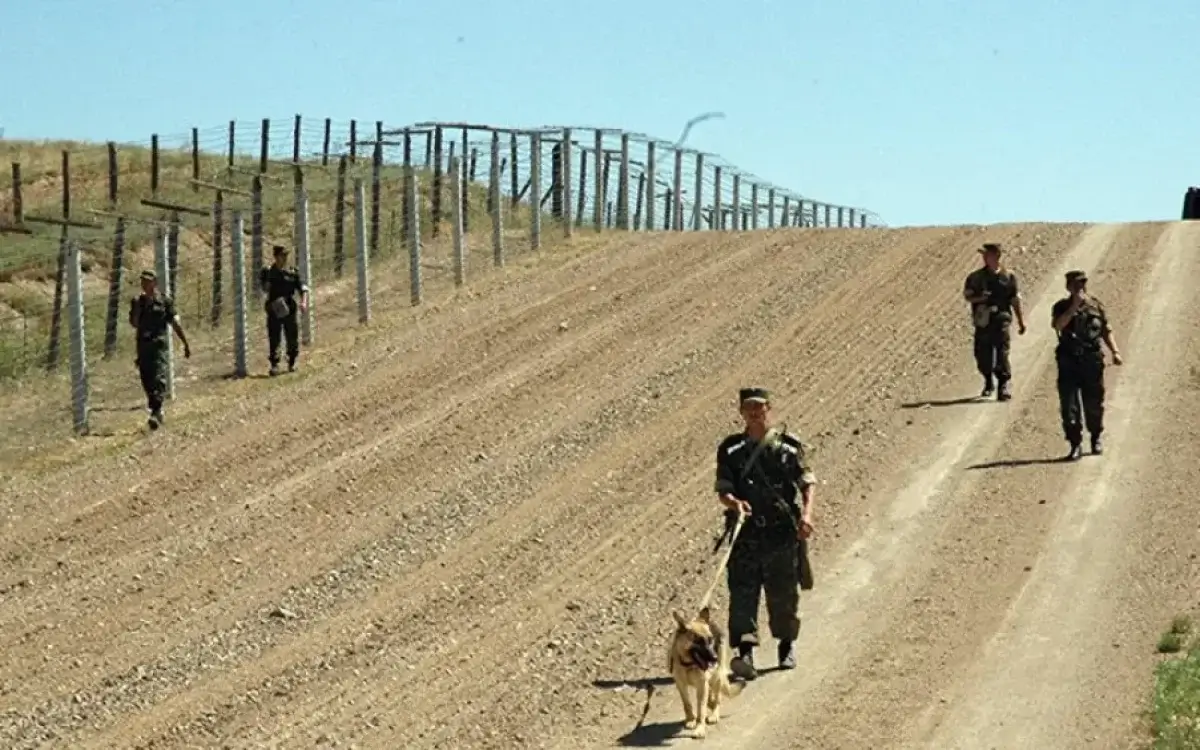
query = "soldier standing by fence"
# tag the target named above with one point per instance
(281, 283)
(151, 314)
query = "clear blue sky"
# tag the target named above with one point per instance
(925, 111)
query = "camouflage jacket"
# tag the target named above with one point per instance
(152, 317)
(1003, 289)
(281, 282)
(773, 484)
(1083, 335)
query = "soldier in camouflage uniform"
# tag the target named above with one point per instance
(994, 295)
(281, 283)
(1081, 324)
(760, 472)
(151, 314)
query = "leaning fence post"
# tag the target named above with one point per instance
(79, 375)
(303, 258)
(162, 269)
(238, 252)
(360, 251)
(414, 237)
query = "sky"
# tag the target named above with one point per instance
(924, 111)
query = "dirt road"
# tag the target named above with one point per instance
(469, 529)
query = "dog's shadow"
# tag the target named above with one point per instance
(658, 733)
(651, 735)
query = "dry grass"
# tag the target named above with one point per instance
(28, 263)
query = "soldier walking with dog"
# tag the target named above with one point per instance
(281, 283)
(151, 314)
(760, 472)
(1081, 323)
(994, 295)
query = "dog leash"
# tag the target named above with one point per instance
(724, 560)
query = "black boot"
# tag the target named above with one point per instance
(988, 387)
(1097, 445)
(1076, 451)
(1004, 393)
(742, 665)
(787, 655)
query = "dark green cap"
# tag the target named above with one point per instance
(1076, 276)
(754, 394)
(991, 247)
(149, 275)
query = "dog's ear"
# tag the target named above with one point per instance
(705, 613)
(682, 623)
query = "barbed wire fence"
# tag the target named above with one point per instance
(197, 206)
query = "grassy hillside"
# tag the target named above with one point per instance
(28, 263)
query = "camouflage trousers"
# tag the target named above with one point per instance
(152, 369)
(1081, 391)
(768, 565)
(992, 345)
(279, 328)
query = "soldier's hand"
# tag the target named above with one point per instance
(805, 529)
(1021, 329)
(187, 352)
(742, 507)
(1117, 358)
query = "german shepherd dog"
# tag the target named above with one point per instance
(698, 659)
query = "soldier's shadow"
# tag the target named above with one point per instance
(1011, 463)
(942, 402)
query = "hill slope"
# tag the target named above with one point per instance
(471, 526)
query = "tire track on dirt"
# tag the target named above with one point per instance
(1026, 689)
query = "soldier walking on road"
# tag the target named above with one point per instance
(151, 314)
(281, 283)
(1082, 324)
(760, 472)
(994, 295)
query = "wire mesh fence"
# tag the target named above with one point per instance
(205, 207)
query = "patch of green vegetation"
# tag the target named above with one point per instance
(1176, 712)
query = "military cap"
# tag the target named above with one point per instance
(149, 275)
(1076, 276)
(278, 249)
(754, 394)
(992, 247)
